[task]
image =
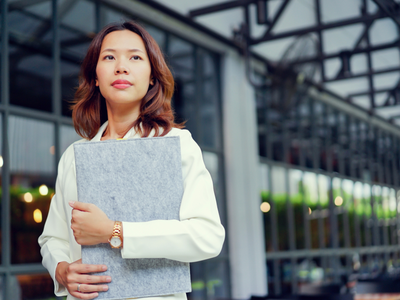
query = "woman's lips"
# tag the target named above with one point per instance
(121, 84)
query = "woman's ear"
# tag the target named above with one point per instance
(97, 82)
(151, 81)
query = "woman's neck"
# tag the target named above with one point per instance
(119, 123)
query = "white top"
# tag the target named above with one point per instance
(198, 235)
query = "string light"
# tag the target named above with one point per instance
(43, 190)
(37, 215)
(28, 197)
(265, 207)
(338, 201)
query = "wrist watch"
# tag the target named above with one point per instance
(116, 238)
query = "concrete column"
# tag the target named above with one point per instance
(245, 225)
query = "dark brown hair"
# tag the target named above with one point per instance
(89, 107)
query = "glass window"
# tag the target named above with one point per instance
(310, 188)
(28, 286)
(279, 196)
(182, 64)
(367, 214)
(296, 200)
(32, 179)
(217, 279)
(211, 162)
(77, 26)
(393, 217)
(30, 56)
(110, 15)
(209, 104)
(68, 136)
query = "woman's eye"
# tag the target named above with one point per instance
(109, 57)
(135, 57)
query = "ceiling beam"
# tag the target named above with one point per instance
(382, 71)
(21, 4)
(363, 19)
(219, 7)
(390, 8)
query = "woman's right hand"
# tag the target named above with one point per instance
(70, 275)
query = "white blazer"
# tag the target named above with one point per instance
(198, 235)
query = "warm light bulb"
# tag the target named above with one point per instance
(28, 197)
(265, 207)
(1, 161)
(338, 201)
(37, 215)
(43, 190)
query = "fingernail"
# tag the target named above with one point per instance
(104, 268)
(108, 279)
(71, 203)
(105, 287)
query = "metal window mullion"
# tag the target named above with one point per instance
(56, 81)
(383, 159)
(273, 211)
(357, 230)
(333, 222)
(289, 206)
(5, 170)
(300, 137)
(367, 230)
(345, 215)
(377, 165)
(315, 164)
(199, 91)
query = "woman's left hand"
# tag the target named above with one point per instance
(90, 224)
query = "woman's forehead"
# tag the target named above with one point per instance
(123, 40)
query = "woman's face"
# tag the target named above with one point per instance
(123, 68)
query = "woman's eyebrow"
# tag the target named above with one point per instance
(130, 50)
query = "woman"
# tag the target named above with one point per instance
(126, 86)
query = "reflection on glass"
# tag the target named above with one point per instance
(182, 61)
(69, 83)
(393, 219)
(110, 15)
(199, 289)
(217, 279)
(28, 286)
(311, 199)
(368, 222)
(30, 56)
(31, 167)
(158, 35)
(77, 26)
(209, 109)
(68, 136)
(279, 197)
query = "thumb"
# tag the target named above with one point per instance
(80, 205)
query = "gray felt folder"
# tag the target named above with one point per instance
(133, 180)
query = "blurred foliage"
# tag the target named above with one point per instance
(357, 211)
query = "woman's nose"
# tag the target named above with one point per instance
(121, 69)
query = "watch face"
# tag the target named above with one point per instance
(115, 241)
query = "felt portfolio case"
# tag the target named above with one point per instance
(133, 180)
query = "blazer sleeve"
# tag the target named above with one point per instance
(54, 241)
(198, 235)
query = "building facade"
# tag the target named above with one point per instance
(296, 181)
